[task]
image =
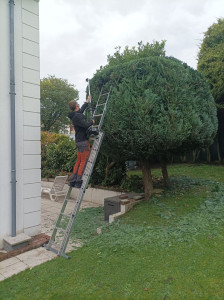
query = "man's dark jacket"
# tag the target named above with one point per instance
(80, 123)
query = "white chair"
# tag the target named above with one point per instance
(58, 188)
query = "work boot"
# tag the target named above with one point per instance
(72, 183)
(72, 180)
(78, 184)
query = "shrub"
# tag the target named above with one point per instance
(132, 183)
(58, 154)
(108, 172)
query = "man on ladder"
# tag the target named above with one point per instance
(82, 169)
(81, 139)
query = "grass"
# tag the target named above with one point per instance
(210, 172)
(169, 248)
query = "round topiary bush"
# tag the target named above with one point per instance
(158, 106)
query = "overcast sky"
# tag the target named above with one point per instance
(77, 35)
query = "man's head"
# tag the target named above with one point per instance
(73, 105)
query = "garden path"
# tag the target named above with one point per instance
(28, 260)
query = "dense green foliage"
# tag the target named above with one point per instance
(156, 49)
(211, 64)
(169, 248)
(58, 154)
(55, 93)
(158, 106)
(211, 59)
(108, 172)
(147, 50)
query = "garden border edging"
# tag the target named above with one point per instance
(91, 194)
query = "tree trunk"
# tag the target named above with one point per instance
(194, 156)
(208, 155)
(106, 170)
(218, 150)
(108, 166)
(164, 172)
(147, 179)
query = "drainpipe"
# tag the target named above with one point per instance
(12, 98)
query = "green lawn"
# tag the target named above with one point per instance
(169, 248)
(212, 172)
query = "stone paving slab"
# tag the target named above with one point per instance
(8, 262)
(24, 261)
(13, 269)
(36, 257)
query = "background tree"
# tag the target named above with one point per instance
(55, 95)
(211, 59)
(158, 106)
(211, 64)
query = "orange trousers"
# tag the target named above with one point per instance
(82, 157)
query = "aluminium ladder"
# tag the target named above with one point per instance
(65, 221)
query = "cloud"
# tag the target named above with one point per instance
(76, 36)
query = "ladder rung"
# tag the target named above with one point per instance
(86, 177)
(93, 154)
(105, 94)
(54, 244)
(86, 173)
(87, 169)
(69, 200)
(92, 138)
(88, 165)
(90, 161)
(66, 215)
(61, 229)
(98, 115)
(100, 104)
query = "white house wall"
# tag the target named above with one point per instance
(28, 150)
(31, 108)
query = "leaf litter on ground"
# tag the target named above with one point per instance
(186, 227)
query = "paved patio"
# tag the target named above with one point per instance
(28, 260)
